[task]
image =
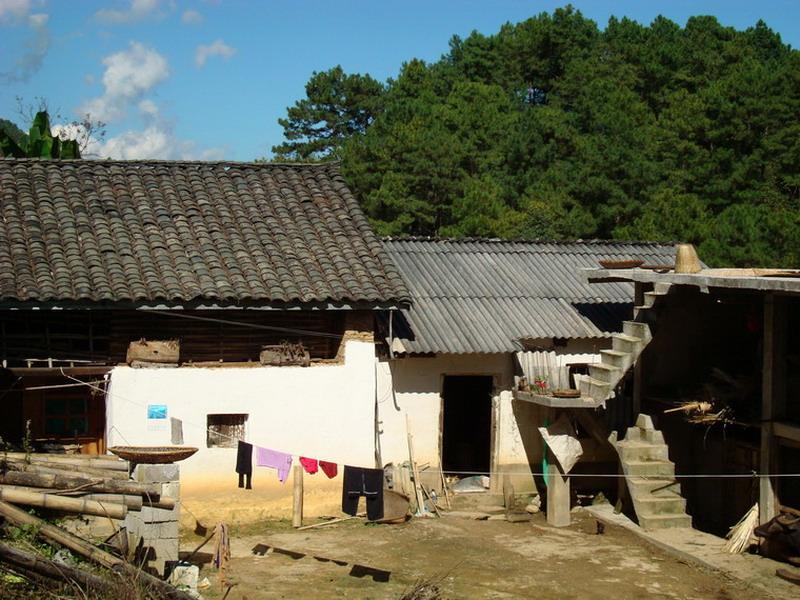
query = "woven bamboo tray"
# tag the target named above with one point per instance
(153, 455)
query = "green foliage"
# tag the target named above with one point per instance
(337, 106)
(555, 128)
(39, 143)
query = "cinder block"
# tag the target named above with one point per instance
(162, 549)
(154, 531)
(156, 473)
(171, 490)
(150, 514)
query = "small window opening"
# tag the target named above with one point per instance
(225, 431)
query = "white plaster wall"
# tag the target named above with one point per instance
(412, 387)
(324, 412)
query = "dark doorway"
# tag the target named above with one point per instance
(467, 423)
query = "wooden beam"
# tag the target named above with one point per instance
(786, 431)
(773, 391)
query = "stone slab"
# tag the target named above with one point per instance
(157, 473)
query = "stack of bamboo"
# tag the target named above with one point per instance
(74, 484)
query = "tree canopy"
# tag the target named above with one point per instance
(554, 128)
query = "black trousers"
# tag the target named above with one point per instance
(244, 464)
(363, 482)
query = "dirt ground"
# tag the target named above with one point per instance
(469, 559)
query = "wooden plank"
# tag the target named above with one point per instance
(787, 431)
(297, 499)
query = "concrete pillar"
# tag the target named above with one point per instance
(558, 493)
(154, 531)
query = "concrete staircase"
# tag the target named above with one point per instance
(614, 363)
(650, 477)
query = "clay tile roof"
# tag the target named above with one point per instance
(177, 232)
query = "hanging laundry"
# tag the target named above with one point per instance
(244, 464)
(330, 469)
(363, 482)
(310, 465)
(275, 460)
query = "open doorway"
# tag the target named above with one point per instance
(467, 424)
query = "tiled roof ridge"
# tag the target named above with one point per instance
(165, 162)
(501, 241)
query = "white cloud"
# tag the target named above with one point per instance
(137, 11)
(216, 48)
(35, 48)
(14, 9)
(128, 76)
(191, 17)
(155, 142)
(148, 108)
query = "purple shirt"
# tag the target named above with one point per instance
(275, 460)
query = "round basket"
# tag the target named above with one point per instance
(567, 393)
(621, 264)
(153, 455)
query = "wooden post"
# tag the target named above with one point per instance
(772, 400)
(558, 493)
(297, 504)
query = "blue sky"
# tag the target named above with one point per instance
(208, 79)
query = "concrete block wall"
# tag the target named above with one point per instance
(154, 531)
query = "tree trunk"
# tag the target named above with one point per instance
(81, 460)
(64, 482)
(65, 469)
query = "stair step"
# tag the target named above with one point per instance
(594, 388)
(653, 486)
(634, 434)
(639, 450)
(637, 329)
(654, 436)
(656, 469)
(626, 343)
(603, 372)
(616, 358)
(652, 522)
(650, 298)
(659, 505)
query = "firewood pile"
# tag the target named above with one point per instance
(59, 485)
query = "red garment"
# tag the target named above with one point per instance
(330, 469)
(309, 464)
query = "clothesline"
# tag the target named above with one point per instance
(752, 475)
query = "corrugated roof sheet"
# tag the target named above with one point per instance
(175, 232)
(474, 296)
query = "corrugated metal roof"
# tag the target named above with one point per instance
(480, 295)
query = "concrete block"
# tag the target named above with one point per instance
(152, 531)
(171, 490)
(645, 422)
(150, 514)
(157, 473)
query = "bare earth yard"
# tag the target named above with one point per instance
(474, 559)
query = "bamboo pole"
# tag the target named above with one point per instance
(93, 461)
(414, 472)
(58, 481)
(84, 548)
(65, 469)
(64, 504)
(297, 497)
(27, 562)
